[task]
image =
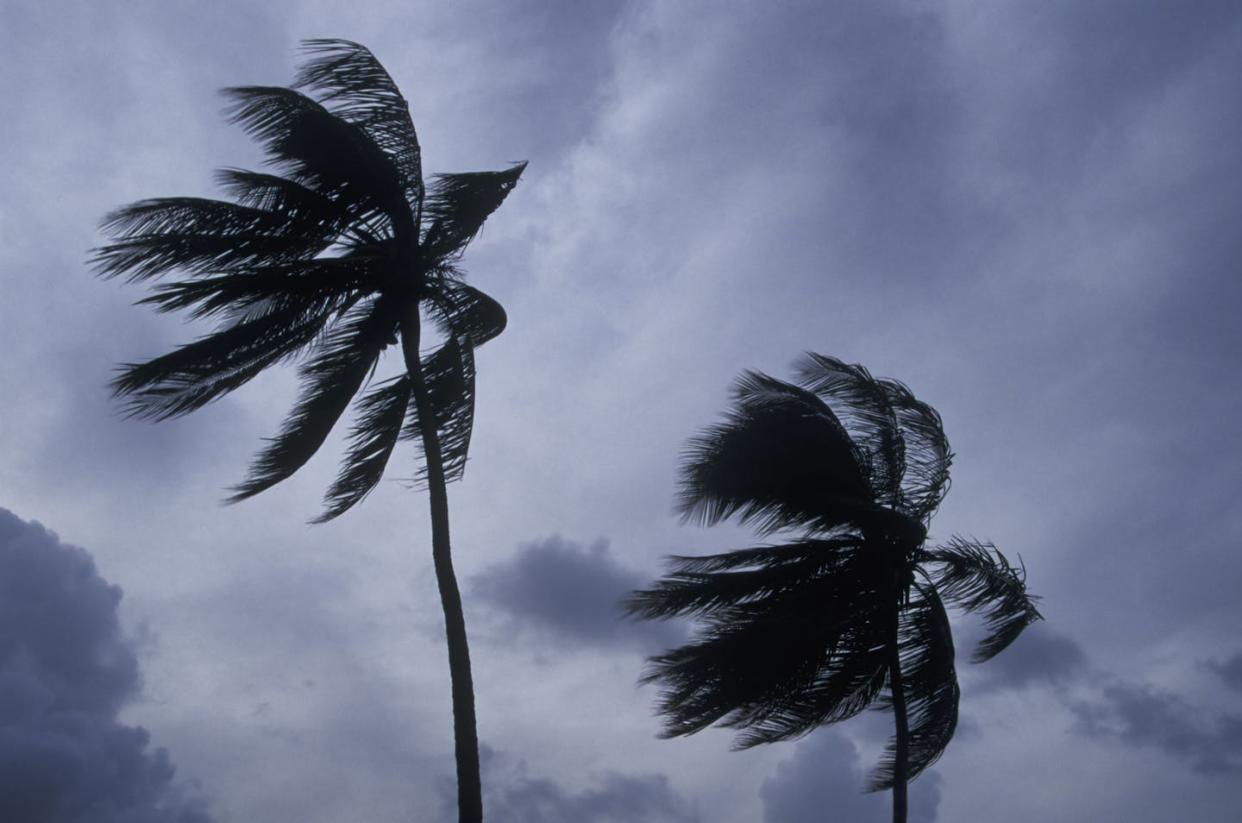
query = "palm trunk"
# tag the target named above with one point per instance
(465, 735)
(901, 749)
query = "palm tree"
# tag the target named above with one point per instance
(332, 258)
(849, 612)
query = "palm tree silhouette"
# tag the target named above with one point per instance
(333, 258)
(850, 611)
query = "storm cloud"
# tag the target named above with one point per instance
(1210, 742)
(1119, 711)
(1041, 656)
(822, 782)
(65, 672)
(572, 592)
(1229, 670)
(513, 794)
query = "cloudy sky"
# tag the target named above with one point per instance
(1026, 211)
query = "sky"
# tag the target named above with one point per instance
(1025, 211)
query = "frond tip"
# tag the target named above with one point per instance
(459, 204)
(341, 364)
(381, 413)
(976, 576)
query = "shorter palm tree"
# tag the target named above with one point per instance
(848, 613)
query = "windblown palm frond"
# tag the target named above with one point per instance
(308, 283)
(381, 413)
(339, 366)
(766, 462)
(926, 454)
(200, 236)
(901, 439)
(861, 404)
(756, 604)
(813, 631)
(197, 373)
(929, 686)
(458, 204)
(353, 85)
(449, 372)
(977, 577)
(464, 312)
(387, 414)
(310, 146)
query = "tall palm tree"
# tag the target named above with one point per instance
(332, 258)
(849, 612)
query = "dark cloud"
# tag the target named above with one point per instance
(1139, 715)
(1041, 656)
(558, 587)
(1107, 707)
(514, 796)
(65, 672)
(1229, 670)
(823, 783)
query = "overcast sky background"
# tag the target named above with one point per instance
(1026, 211)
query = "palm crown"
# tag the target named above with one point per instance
(849, 611)
(331, 259)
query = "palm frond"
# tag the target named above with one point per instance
(466, 313)
(760, 556)
(354, 86)
(199, 235)
(449, 375)
(977, 577)
(779, 460)
(308, 282)
(850, 679)
(770, 685)
(725, 678)
(354, 224)
(457, 205)
(315, 148)
(927, 454)
(193, 375)
(341, 364)
(703, 585)
(381, 413)
(862, 405)
(288, 198)
(784, 646)
(929, 687)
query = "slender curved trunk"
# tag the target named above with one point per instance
(465, 735)
(901, 759)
